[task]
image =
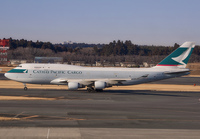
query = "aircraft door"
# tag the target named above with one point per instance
(30, 75)
(46, 74)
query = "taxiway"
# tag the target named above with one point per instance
(127, 110)
(60, 113)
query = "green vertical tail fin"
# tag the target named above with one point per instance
(179, 57)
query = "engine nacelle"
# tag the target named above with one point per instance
(99, 85)
(73, 85)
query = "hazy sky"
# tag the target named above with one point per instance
(151, 22)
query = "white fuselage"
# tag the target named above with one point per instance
(50, 73)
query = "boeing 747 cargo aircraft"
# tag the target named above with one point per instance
(99, 78)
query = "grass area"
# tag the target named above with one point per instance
(5, 69)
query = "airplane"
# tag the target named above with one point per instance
(99, 78)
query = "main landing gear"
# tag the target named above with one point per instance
(25, 88)
(91, 89)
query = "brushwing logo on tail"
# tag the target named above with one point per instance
(180, 59)
(180, 56)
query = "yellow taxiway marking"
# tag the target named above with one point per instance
(8, 118)
(24, 98)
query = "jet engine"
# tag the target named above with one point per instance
(99, 85)
(74, 85)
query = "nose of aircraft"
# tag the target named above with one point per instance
(6, 75)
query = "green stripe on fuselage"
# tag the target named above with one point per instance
(18, 71)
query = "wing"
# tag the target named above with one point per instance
(88, 82)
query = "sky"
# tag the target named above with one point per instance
(144, 22)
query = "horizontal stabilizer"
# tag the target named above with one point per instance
(177, 72)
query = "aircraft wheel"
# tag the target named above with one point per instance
(90, 89)
(99, 90)
(25, 88)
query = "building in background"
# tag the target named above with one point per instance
(48, 60)
(15, 62)
(4, 46)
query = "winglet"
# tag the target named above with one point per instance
(179, 57)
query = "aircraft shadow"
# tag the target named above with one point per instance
(147, 92)
(105, 92)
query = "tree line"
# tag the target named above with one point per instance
(116, 51)
(113, 48)
(15, 43)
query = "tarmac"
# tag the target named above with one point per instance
(138, 114)
(109, 114)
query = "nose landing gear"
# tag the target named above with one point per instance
(25, 88)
